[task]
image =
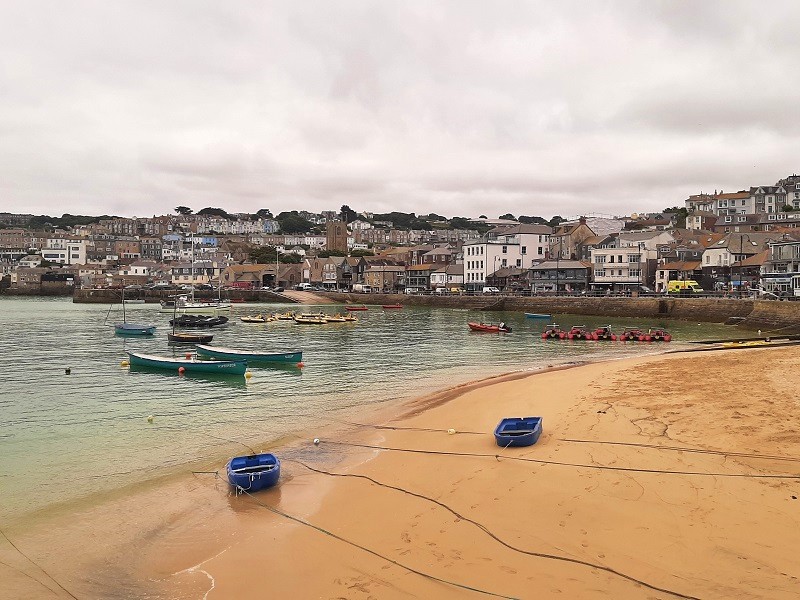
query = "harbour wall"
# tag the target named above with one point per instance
(767, 315)
(111, 296)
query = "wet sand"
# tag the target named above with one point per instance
(658, 477)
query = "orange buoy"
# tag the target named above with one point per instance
(181, 370)
(301, 364)
(188, 355)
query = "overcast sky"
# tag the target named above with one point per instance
(460, 108)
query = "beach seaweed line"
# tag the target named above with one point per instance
(374, 553)
(35, 564)
(499, 540)
(564, 464)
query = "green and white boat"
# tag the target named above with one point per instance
(227, 367)
(289, 357)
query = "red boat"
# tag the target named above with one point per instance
(489, 328)
(391, 306)
(658, 335)
(603, 333)
(579, 332)
(630, 334)
(352, 308)
(553, 332)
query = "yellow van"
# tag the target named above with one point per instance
(689, 286)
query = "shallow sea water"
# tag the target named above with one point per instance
(63, 436)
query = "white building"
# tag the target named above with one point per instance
(627, 263)
(65, 250)
(515, 246)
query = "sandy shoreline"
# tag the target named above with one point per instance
(588, 521)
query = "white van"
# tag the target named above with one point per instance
(491, 290)
(303, 287)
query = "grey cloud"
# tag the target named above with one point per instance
(461, 107)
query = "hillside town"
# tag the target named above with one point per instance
(742, 243)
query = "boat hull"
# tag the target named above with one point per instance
(198, 321)
(484, 328)
(253, 473)
(228, 367)
(250, 357)
(537, 316)
(134, 329)
(189, 338)
(518, 431)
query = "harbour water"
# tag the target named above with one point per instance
(67, 436)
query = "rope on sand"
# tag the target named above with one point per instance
(400, 428)
(30, 560)
(565, 464)
(497, 539)
(374, 553)
(683, 449)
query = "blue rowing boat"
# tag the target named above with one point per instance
(181, 365)
(537, 316)
(294, 356)
(254, 472)
(518, 431)
(134, 329)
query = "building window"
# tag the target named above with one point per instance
(600, 258)
(524, 249)
(611, 258)
(519, 262)
(505, 250)
(541, 250)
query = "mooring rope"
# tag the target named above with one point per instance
(374, 553)
(495, 537)
(563, 464)
(684, 449)
(53, 579)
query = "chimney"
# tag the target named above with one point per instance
(582, 220)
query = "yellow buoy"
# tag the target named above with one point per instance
(150, 418)
(451, 431)
(248, 375)
(124, 363)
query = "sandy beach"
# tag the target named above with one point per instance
(674, 476)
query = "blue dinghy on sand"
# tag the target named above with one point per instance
(253, 473)
(518, 431)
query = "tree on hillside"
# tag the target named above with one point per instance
(183, 210)
(460, 223)
(681, 212)
(328, 253)
(556, 220)
(264, 213)
(358, 253)
(347, 214)
(533, 220)
(265, 255)
(508, 217)
(403, 220)
(292, 222)
(214, 212)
